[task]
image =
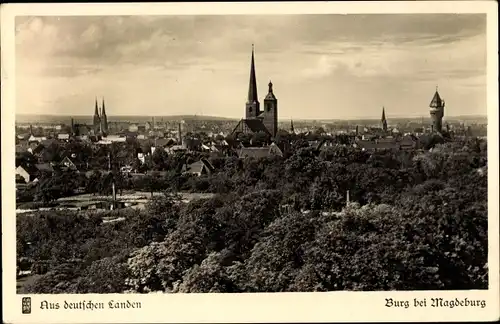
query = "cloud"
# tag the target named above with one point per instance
(188, 62)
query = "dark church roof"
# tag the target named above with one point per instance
(255, 125)
(259, 152)
(436, 101)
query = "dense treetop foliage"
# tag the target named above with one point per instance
(416, 220)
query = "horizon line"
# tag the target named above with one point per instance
(238, 118)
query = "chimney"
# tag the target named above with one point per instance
(357, 130)
(347, 198)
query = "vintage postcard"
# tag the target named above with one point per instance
(250, 162)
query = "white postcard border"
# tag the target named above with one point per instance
(274, 307)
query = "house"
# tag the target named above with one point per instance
(192, 144)
(408, 143)
(201, 167)
(30, 173)
(48, 142)
(175, 148)
(38, 139)
(209, 148)
(259, 152)
(133, 128)
(44, 168)
(162, 142)
(36, 149)
(115, 138)
(141, 157)
(20, 149)
(25, 173)
(372, 146)
(68, 165)
(63, 137)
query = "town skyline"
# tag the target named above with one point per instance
(323, 67)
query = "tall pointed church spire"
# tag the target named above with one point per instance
(252, 87)
(96, 112)
(97, 119)
(292, 130)
(383, 120)
(104, 118)
(252, 107)
(103, 107)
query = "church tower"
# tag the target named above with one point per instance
(97, 119)
(383, 120)
(271, 111)
(104, 118)
(252, 105)
(437, 112)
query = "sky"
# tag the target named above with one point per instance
(322, 66)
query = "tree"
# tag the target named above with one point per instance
(260, 139)
(104, 276)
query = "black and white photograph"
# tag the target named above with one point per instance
(252, 153)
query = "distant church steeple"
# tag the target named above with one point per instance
(252, 106)
(383, 120)
(271, 111)
(97, 119)
(104, 118)
(292, 130)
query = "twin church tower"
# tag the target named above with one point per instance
(268, 116)
(100, 119)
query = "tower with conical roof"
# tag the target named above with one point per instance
(292, 129)
(104, 118)
(252, 105)
(383, 120)
(271, 111)
(97, 118)
(437, 112)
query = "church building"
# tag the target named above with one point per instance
(257, 120)
(100, 120)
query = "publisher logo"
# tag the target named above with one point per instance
(26, 305)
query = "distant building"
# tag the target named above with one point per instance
(68, 165)
(199, 168)
(437, 112)
(100, 120)
(259, 152)
(133, 128)
(30, 173)
(383, 120)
